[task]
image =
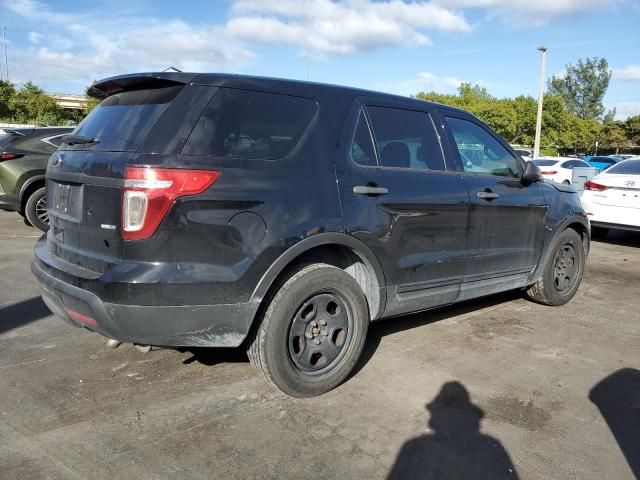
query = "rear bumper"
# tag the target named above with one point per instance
(225, 325)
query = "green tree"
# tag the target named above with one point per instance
(583, 86)
(31, 105)
(7, 92)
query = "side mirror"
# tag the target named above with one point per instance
(531, 173)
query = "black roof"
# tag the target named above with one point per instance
(109, 86)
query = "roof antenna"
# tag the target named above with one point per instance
(172, 68)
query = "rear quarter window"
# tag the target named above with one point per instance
(249, 124)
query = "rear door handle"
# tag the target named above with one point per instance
(365, 190)
(487, 195)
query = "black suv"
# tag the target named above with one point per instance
(223, 210)
(23, 161)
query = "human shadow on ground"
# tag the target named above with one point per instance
(618, 399)
(456, 448)
(22, 313)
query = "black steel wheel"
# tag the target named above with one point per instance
(563, 270)
(312, 331)
(319, 333)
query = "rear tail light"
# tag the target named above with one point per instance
(9, 156)
(149, 193)
(549, 173)
(590, 185)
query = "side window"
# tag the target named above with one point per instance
(480, 152)
(406, 138)
(362, 150)
(568, 165)
(249, 124)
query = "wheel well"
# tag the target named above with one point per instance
(351, 262)
(29, 189)
(584, 234)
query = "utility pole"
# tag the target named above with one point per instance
(536, 145)
(4, 43)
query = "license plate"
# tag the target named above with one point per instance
(62, 198)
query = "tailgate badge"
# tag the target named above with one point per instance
(106, 226)
(629, 183)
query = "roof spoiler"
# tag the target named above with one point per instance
(138, 81)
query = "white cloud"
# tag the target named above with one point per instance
(80, 46)
(530, 12)
(630, 72)
(35, 37)
(321, 27)
(626, 109)
(424, 82)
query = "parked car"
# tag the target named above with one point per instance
(23, 161)
(602, 162)
(612, 198)
(525, 153)
(559, 169)
(223, 210)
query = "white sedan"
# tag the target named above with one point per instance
(559, 169)
(612, 198)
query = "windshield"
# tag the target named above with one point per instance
(121, 121)
(545, 163)
(628, 167)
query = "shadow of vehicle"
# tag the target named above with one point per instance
(618, 399)
(388, 326)
(22, 313)
(213, 356)
(619, 237)
(456, 449)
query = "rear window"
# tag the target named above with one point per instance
(545, 163)
(249, 124)
(628, 167)
(121, 121)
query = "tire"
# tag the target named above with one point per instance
(567, 182)
(562, 273)
(33, 210)
(294, 356)
(599, 232)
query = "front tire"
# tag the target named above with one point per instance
(35, 210)
(312, 332)
(562, 273)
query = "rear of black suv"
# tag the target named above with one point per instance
(160, 200)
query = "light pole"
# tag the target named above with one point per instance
(536, 145)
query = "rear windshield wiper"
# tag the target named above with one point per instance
(78, 140)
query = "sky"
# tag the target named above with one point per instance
(396, 46)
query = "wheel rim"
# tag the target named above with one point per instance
(320, 333)
(41, 210)
(565, 268)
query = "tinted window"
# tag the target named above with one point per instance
(405, 138)
(248, 124)
(545, 163)
(362, 150)
(628, 167)
(121, 121)
(480, 152)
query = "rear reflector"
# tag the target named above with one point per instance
(149, 193)
(590, 185)
(9, 156)
(80, 317)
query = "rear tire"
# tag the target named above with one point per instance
(35, 210)
(562, 273)
(312, 332)
(567, 182)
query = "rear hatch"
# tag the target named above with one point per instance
(85, 177)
